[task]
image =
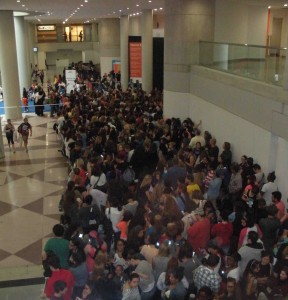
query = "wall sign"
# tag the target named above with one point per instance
(46, 27)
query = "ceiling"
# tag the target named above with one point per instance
(82, 10)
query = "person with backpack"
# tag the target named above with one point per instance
(24, 129)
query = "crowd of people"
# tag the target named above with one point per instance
(154, 209)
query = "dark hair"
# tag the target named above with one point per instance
(212, 260)
(277, 195)
(230, 279)
(256, 166)
(77, 258)
(88, 199)
(58, 230)
(227, 145)
(271, 177)
(59, 286)
(271, 210)
(53, 261)
(265, 253)
(77, 242)
(178, 273)
(208, 292)
(253, 237)
(190, 177)
(132, 276)
(235, 167)
(250, 161)
(224, 215)
(185, 251)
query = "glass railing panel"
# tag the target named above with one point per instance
(256, 62)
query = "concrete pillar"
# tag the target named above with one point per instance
(9, 69)
(94, 33)
(185, 24)
(147, 50)
(124, 29)
(30, 43)
(135, 26)
(109, 38)
(23, 65)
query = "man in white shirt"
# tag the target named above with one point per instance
(268, 188)
(197, 138)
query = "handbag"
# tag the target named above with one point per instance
(102, 188)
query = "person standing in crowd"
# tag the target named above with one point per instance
(81, 36)
(268, 188)
(9, 131)
(25, 100)
(24, 129)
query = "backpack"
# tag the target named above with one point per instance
(128, 175)
(19, 128)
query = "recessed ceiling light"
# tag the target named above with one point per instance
(137, 14)
(137, 4)
(269, 6)
(18, 1)
(114, 12)
(285, 4)
(63, 22)
(155, 9)
(120, 10)
(81, 4)
(127, 8)
(86, 1)
(23, 5)
(161, 8)
(150, 1)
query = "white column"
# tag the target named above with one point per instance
(147, 50)
(124, 31)
(94, 32)
(9, 69)
(23, 66)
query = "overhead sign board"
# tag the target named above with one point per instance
(46, 27)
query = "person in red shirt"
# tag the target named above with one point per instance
(198, 234)
(58, 274)
(276, 199)
(222, 232)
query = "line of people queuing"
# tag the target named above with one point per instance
(153, 209)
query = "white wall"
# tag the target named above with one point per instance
(238, 22)
(106, 64)
(91, 55)
(72, 56)
(246, 138)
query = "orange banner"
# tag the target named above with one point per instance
(135, 50)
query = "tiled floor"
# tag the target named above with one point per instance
(30, 188)
(19, 293)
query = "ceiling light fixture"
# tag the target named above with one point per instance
(137, 5)
(285, 4)
(161, 8)
(18, 1)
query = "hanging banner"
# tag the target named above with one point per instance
(70, 80)
(135, 56)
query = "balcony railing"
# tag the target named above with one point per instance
(261, 63)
